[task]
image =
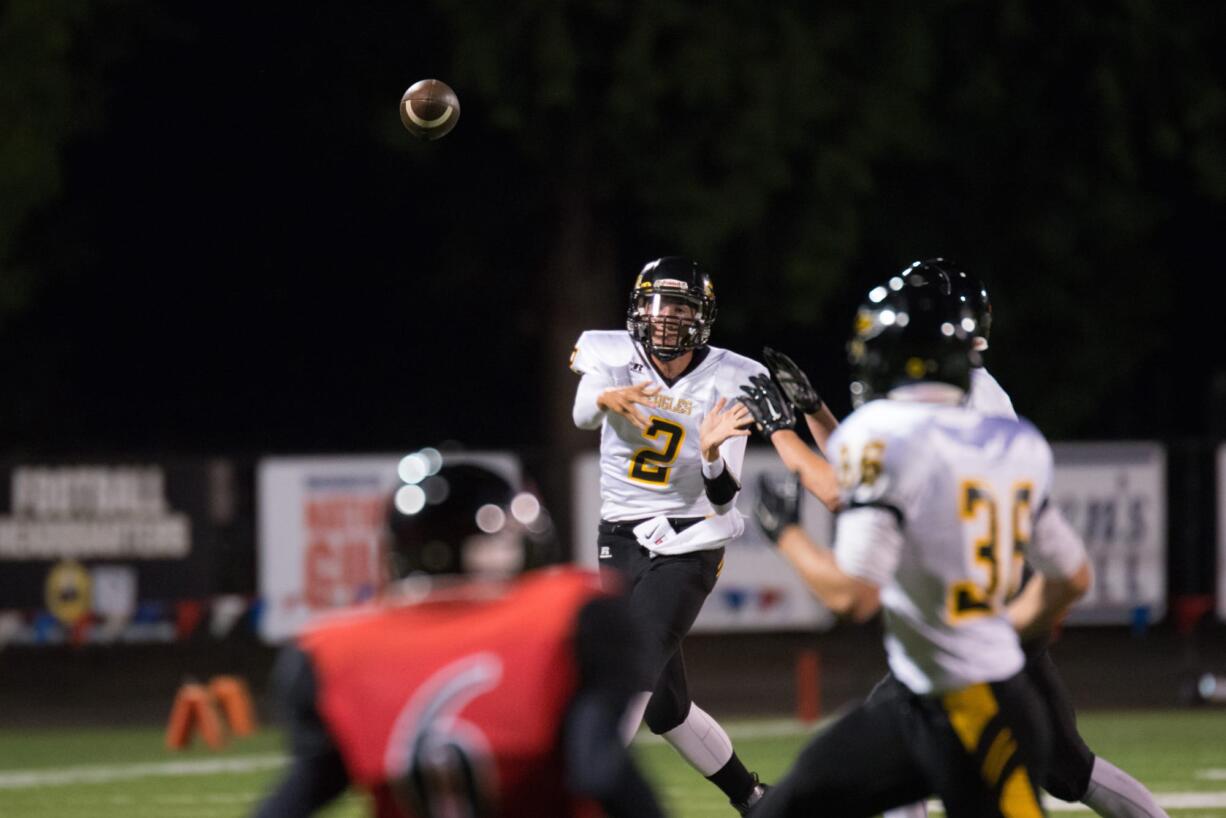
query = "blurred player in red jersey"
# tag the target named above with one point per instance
(469, 689)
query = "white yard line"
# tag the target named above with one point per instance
(103, 774)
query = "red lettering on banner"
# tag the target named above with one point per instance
(339, 562)
(320, 585)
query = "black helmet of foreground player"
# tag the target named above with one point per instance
(672, 307)
(462, 518)
(967, 292)
(970, 292)
(910, 330)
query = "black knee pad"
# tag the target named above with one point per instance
(665, 711)
(1067, 785)
(1068, 776)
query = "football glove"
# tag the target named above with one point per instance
(771, 411)
(778, 503)
(793, 381)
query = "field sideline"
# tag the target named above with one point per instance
(1180, 754)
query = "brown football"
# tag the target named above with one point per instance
(429, 109)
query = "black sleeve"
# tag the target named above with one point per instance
(598, 765)
(317, 774)
(721, 490)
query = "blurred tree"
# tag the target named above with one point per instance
(41, 108)
(255, 222)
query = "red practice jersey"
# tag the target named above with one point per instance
(463, 695)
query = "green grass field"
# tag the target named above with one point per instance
(125, 773)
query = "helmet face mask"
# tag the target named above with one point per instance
(672, 307)
(909, 330)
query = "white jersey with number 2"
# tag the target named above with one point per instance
(942, 504)
(657, 472)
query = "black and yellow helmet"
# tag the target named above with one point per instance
(969, 292)
(662, 286)
(910, 330)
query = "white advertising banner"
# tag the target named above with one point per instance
(319, 520)
(757, 590)
(1114, 495)
(1221, 532)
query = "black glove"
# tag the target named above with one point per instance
(778, 503)
(793, 381)
(771, 411)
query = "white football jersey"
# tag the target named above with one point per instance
(987, 397)
(657, 472)
(940, 511)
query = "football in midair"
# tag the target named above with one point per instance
(429, 109)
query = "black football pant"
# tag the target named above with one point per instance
(979, 749)
(1071, 760)
(666, 593)
(1068, 775)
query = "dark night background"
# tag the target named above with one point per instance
(217, 237)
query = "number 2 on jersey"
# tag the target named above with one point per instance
(655, 465)
(977, 506)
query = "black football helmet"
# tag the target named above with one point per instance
(463, 518)
(970, 292)
(664, 285)
(910, 329)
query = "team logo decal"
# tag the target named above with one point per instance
(67, 591)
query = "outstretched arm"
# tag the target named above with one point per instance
(1064, 576)
(774, 418)
(799, 391)
(822, 424)
(816, 475)
(777, 511)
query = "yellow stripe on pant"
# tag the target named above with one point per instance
(969, 711)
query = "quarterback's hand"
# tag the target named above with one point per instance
(793, 381)
(625, 401)
(771, 411)
(719, 424)
(778, 504)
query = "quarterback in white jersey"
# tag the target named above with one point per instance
(672, 442)
(940, 505)
(658, 471)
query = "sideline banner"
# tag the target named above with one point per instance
(757, 590)
(1114, 495)
(121, 551)
(318, 532)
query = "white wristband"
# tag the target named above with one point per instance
(713, 470)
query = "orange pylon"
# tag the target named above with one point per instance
(234, 699)
(194, 709)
